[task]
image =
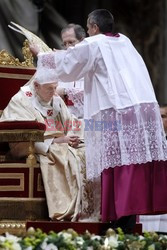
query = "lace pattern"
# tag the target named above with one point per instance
(46, 68)
(48, 61)
(128, 136)
(77, 97)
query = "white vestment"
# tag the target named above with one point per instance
(115, 74)
(123, 123)
(154, 223)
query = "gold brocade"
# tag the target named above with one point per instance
(16, 135)
(8, 60)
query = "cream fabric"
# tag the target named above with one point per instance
(69, 195)
(32, 38)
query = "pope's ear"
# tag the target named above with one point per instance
(60, 91)
(36, 84)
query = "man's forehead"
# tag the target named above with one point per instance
(68, 33)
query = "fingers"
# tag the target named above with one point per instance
(34, 48)
(73, 144)
(74, 141)
(74, 137)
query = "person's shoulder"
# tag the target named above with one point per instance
(119, 37)
(122, 40)
(95, 41)
(102, 38)
(95, 38)
(125, 37)
(122, 36)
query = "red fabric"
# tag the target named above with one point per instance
(111, 34)
(11, 83)
(9, 87)
(22, 125)
(12, 181)
(68, 102)
(14, 70)
(134, 189)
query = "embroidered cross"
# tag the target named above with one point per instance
(50, 112)
(28, 93)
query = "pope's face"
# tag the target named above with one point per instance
(46, 91)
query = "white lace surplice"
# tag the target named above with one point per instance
(125, 126)
(128, 136)
(77, 97)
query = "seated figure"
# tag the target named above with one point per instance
(70, 196)
(61, 155)
(72, 93)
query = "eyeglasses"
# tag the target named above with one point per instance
(69, 43)
(164, 116)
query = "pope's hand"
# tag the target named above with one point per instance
(72, 140)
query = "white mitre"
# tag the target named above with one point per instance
(32, 38)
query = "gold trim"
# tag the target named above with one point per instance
(13, 227)
(19, 176)
(31, 160)
(17, 135)
(2, 158)
(15, 199)
(40, 186)
(15, 76)
(17, 165)
(16, 67)
(7, 59)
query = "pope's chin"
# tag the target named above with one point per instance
(48, 99)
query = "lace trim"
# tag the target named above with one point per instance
(77, 97)
(129, 136)
(48, 61)
(46, 68)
